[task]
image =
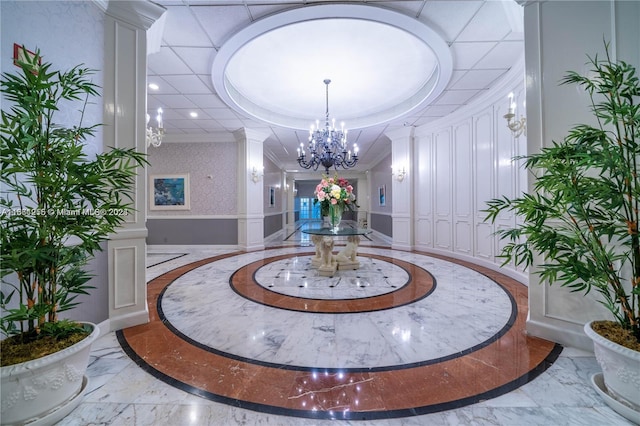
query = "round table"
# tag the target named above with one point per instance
(325, 260)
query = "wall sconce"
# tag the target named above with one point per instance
(255, 176)
(399, 175)
(154, 137)
(519, 126)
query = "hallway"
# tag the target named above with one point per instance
(406, 339)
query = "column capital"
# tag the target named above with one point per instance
(401, 133)
(245, 133)
(140, 14)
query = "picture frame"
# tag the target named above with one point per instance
(22, 54)
(169, 192)
(272, 196)
(382, 195)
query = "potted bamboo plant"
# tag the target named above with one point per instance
(57, 206)
(582, 218)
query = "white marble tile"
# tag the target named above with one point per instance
(296, 277)
(465, 310)
(123, 394)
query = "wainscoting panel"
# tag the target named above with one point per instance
(423, 204)
(424, 232)
(484, 163)
(443, 234)
(484, 241)
(464, 161)
(124, 261)
(463, 188)
(401, 231)
(462, 171)
(442, 173)
(463, 236)
(484, 172)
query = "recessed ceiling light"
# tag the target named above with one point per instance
(193, 114)
(153, 86)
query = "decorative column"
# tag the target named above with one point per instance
(402, 188)
(250, 189)
(125, 92)
(290, 206)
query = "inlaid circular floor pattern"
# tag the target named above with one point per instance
(487, 368)
(419, 284)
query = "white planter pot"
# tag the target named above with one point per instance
(620, 369)
(46, 389)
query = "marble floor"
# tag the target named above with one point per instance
(260, 339)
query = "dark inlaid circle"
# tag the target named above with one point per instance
(420, 284)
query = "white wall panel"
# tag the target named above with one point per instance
(484, 241)
(443, 234)
(125, 259)
(458, 159)
(424, 233)
(463, 236)
(423, 155)
(484, 160)
(443, 188)
(462, 170)
(558, 37)
(424, 181)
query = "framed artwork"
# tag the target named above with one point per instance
(382, 195)
(22, 54)
(272, 196)
(169, 192)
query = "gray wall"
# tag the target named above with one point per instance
(380, 176)
(192, 231)
(272, 224)
(382, 223)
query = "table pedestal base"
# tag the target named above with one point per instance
(343, 266)
(327, 262)
(327, 270)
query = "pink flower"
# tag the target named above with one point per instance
(334, 201)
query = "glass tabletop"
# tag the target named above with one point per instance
(340, 231)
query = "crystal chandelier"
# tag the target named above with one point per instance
(154, 137)
(328, 145)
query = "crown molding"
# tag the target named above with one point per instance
(140, 14)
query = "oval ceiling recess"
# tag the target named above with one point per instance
(273, 70)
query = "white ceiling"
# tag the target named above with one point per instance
(484, 38)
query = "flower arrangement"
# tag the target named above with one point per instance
(334, 191)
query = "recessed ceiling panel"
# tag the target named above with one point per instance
(274, 69)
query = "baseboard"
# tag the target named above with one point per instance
(570, 335)
(128, 320)
(516, 275)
